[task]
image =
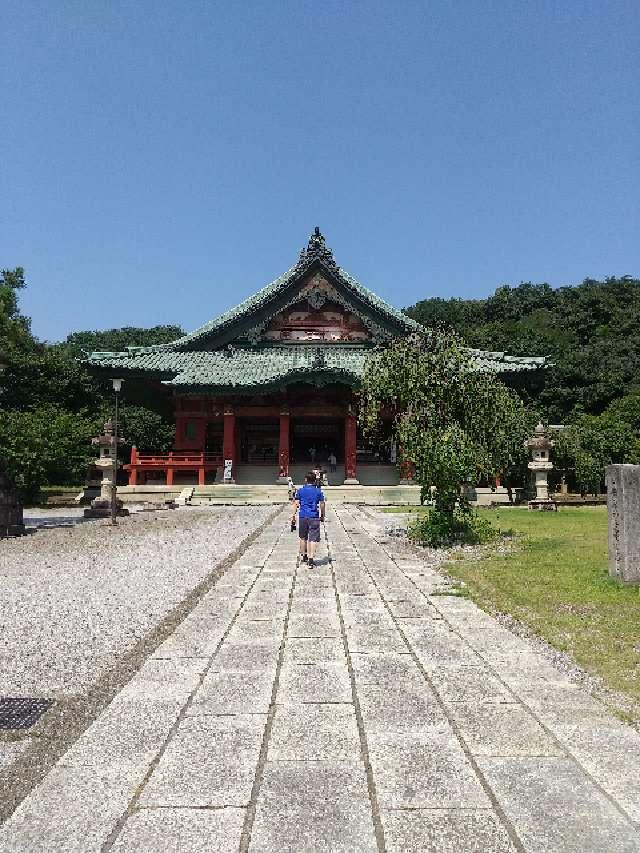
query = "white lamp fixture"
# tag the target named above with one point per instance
(117, 385)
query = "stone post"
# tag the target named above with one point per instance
(623, 504)
(11, 520)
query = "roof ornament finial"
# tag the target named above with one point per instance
(317, 250)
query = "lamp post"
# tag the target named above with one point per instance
(117, 386)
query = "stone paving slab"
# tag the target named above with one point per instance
(340, 708)
(424, 770)
(445, 831)
(321, 681)
(210, 761)
(315, 733)
(502, 730)
(73, 810)
(113, 740)
(607, 749)
(319, 806)
(554, 806)
(182, 830)
(312, 649)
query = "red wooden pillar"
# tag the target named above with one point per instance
(350, 448)
(229, 442)
(133, 471)
(283, 453)
(169, 475)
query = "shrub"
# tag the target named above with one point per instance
(440, 529)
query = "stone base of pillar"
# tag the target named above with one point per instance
(283, 481)
(351, 481)
(98, 511)
(405, 481)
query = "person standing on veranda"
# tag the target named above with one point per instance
(310, 506)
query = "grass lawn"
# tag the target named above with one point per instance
(556, 581)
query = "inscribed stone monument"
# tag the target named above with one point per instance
(623, 503)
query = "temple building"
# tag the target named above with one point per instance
(269, 388)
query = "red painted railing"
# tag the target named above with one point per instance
(174, 460)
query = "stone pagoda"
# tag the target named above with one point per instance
(106, 462)
(539, 446)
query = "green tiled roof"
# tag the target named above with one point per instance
(266, 366)
(202, 361)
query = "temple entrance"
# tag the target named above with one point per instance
(259, 441)
(312, 440)
(213, 438)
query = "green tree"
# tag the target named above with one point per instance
(15, 329)
(590, 334)
(148, 430)
(117, 340)
(46, 445)
(50, 405)
(453, 421)
(591, 442)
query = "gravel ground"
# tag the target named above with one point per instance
(75, 599)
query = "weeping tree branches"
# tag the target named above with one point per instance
(453, 421)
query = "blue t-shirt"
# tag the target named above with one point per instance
(309, 497)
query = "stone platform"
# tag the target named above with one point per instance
(348, 708)
(272, 494)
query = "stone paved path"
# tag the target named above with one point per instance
(342, 708)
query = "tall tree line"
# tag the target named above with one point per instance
(50, 405)
(590, 334)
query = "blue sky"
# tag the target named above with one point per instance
(160, 161)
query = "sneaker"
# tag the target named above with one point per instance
(303, 558)
(310, 561)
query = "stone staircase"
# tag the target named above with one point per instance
(272, 494)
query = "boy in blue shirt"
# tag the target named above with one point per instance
(310, 504)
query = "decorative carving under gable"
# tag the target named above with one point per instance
(316, 297)
(318, 312)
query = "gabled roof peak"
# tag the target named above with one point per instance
(316, 250)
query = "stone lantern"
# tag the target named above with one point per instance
(539, 446)
(101, 506)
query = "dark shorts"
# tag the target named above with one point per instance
(309, 529)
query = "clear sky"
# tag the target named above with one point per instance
(160, 161)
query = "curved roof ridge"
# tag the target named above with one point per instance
(251, 302)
